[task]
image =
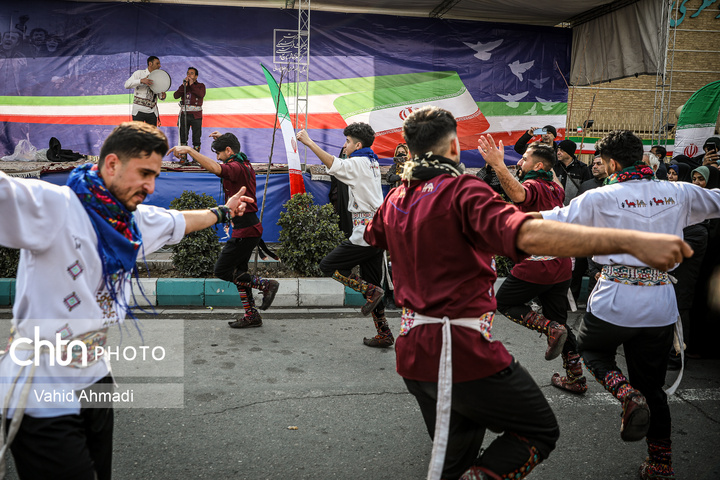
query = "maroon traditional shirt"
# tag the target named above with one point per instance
(236, 174)
(194, 95)
(442, 234)
(542, 195)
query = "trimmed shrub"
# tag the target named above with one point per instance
(503, 265)
(309, 232)
(9, 258)
(196, 254)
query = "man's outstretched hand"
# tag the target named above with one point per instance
(179, 150)
(492, 153)
(238, 203)
(667, 251)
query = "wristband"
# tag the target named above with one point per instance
(222, 212)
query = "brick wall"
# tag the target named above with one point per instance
(629, 103)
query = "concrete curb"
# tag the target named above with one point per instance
(211, 292)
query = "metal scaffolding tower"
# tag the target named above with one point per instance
(302, 65)
(292, 57)
(663, 84)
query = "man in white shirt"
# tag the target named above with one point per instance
(79, 245)
(144, 107)
(634, 305)
(360, 171)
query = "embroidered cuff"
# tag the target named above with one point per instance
(222, 212)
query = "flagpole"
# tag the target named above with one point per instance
(272, 149)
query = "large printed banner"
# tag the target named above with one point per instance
(63, 66)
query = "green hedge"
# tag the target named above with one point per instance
(9, 258)
(196, 254)
(309, 232)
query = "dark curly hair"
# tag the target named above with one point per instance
(545, 153)
(427, 128)
(623, 146)
(362, 132)
(226, 140)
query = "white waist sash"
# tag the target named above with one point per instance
(482, 324)
(679, 344)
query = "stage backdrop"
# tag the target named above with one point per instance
(63, 66)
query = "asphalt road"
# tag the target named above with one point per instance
(303, 398)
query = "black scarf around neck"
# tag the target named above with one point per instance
(429, 166)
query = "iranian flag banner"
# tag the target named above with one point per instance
(297, 185)
(697, 120)
(385, 109)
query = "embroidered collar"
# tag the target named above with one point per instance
(430, 166)
(637, 171)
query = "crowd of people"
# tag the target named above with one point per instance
(693, 276)
(37, 43)
(552, 209)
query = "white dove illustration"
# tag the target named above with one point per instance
(546, 104)
(538, 82)
(532, 111)
(518, 68)
(512, 100)
(483, 49)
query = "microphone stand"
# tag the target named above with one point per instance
(183, 118)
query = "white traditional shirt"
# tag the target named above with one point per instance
(142, 91)
(362, 176)
(59, 286)
(648, 205)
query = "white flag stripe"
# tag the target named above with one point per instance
(252, 106)
(392, 118)
(514, 123)
(288, 133)
(264, 106)
(689, 141)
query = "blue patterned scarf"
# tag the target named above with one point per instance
(365, 152)
(119, 238)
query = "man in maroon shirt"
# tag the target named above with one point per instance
(191, 93)
(547, 278)
(442, 229)
(236, 172)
